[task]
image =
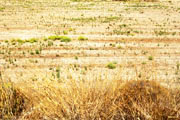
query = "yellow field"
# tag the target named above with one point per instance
(89, 60)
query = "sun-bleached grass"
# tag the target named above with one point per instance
(96, 99)
(12, 101)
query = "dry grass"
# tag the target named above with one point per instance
(87, 100)
(12, 101)
(77, 98)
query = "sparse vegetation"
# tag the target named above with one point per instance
(161, 32)
(37, 52)
(32, 40)
(1, 8)
(55, 37)
(50, 43)
(178, 65)
(119, 47)
(150, 58)
(65, 32)
(76, 57)
(89, 60)
(65, 39)
(111, 65)
(82, 38)
(61, 38)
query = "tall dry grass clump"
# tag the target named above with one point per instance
(12, 101)
(83, 99)
(146, 100)
(102, 99)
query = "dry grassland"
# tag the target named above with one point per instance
(89, 60)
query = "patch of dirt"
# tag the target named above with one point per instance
(22, 34)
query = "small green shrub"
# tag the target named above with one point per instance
(111, 65)
(150, 58)
(178, 65)
(2, 9)
(20, 41)
(58, 72)
(65, 32)
(32, 40)
(61, 38)
(37, 52)
(45, 39)
(31, 53)
(55, 37)
(76, 57)
(119, 47)
(82, 38)
(65, 39)
(50, 43)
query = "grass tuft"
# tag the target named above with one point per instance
(65, 39)
(82, 38)
(111, 65)
(12, 101)
(61, 38)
